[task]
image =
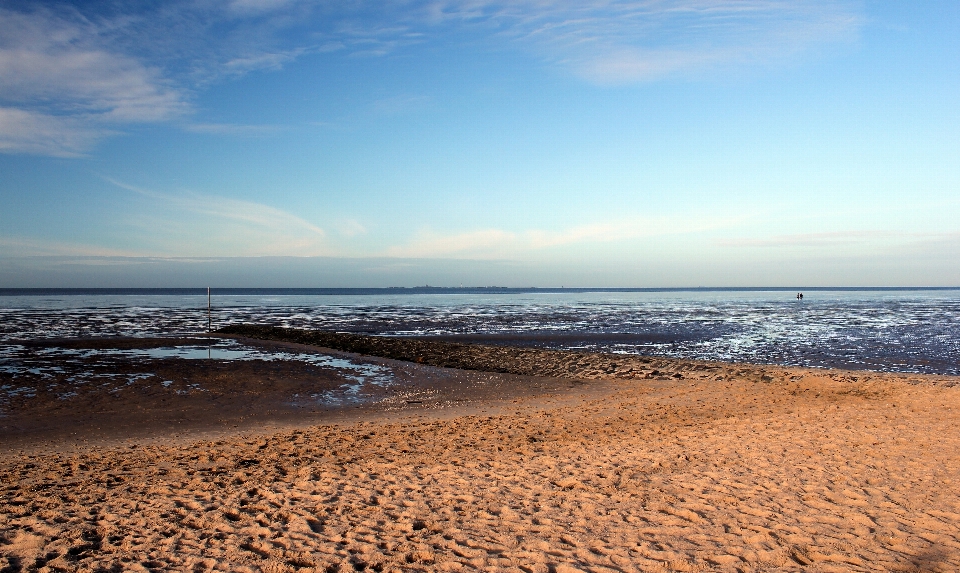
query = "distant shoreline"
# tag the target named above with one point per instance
(186, 291)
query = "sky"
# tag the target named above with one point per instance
(621, 143)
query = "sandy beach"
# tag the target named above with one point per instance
(515, 460)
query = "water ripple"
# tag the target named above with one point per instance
(907, 331)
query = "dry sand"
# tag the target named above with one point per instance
(654, 466)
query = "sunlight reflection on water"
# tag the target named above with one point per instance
(909, 331)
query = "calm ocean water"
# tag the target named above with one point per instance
(887, 330)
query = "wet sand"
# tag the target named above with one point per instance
(119, 398)
(599, 463)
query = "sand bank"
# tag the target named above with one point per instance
(667, 466)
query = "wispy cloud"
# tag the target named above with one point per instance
(262, 61)
(56, 62)
(63, 91)
(25, 131)
(226, 208)
(623, 41)
(502, 244)
(206, 225)
(350, 227)
(72, 74)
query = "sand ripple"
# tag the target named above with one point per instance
(798, 471)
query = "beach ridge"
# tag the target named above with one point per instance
(528, 361)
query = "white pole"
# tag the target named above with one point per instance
(209, 319)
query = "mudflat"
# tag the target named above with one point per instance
(557, 462)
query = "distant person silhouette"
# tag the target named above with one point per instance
(801, 296)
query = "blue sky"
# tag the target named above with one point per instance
(592, 143)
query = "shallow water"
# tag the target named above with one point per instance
(907, 331)
(65, 370)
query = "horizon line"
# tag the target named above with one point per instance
(430, 289)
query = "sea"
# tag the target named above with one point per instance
(880, 329)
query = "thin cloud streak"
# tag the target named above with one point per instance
(210, 226)
(263, 61)
(350, 227)
(499, 244)
(231, 209)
